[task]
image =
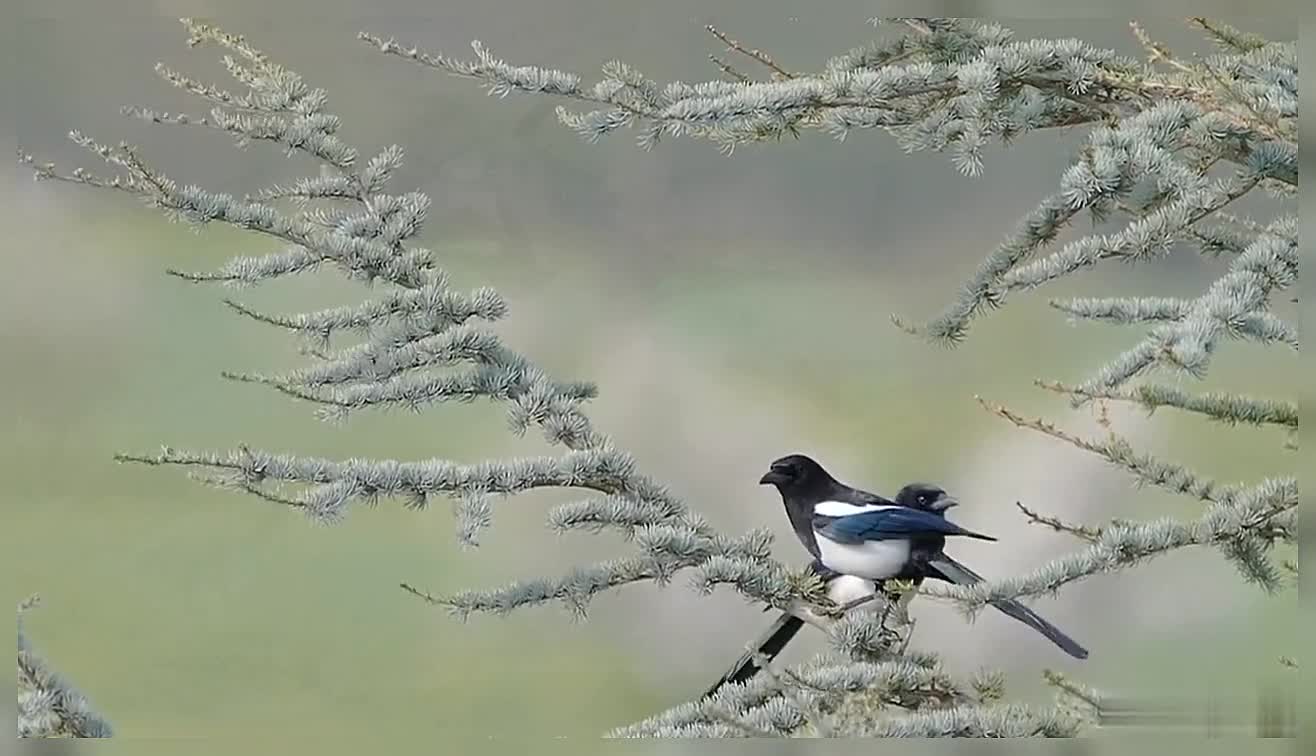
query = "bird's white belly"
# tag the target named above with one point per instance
(847, 588)
(874, 560)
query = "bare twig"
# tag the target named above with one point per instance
(1078, 531)
(726, 68)
(917, 25)
(847, 606)
(1118, 451)
(1057, 680)
(1157, 52)
(429, 597)
(758, 55)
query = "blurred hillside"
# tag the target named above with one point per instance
(731, 310)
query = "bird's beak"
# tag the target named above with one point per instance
(944, 503)
(771, 477)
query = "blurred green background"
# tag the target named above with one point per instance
(731, 310)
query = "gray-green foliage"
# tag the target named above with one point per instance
(1153, 157)
(48, 705)
(1170, 146)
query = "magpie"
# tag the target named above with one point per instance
(861, 534)
(841, 588)
(803, 485)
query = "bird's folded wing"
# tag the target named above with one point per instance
(885, 524)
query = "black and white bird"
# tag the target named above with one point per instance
(806, 488)
(864, 535)
(842, 589)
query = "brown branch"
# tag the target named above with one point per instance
(726, 68)
(428, 597)
(1078, 391)
(1119, 452)
(416, 55)
(1265, 123)
(758, 55)
(1042, 426)
(1227, 36)
(1156, 51)
(1057, 680)
(1083, 532)
(917, 25)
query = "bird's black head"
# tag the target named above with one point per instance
(925, 496)
(795, 472)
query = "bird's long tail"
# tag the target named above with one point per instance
(770, 643)
(954, 572)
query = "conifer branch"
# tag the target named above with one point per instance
(789, 683)
(817, 686)
(1116, 450)
(418, 336)
(728, 69)
(914, 99)
(1243, 524)
(949, 67)
(1231, 409)
(1157, 142)
(48, 705)
(1229, 37)
(1083, 532)
(330, 485)
(757, 55)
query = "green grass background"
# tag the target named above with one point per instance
(718, 343)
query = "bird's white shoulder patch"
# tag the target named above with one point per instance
(842, 509)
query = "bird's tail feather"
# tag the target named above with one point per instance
(954, 572)
(770, 643)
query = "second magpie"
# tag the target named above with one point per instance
(858, 533)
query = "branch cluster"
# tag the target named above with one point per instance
(420, 342)
(48, 705)
(1172, 145)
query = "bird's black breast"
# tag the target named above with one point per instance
(801, 518)
(922, 549)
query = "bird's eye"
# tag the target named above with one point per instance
(922, 498)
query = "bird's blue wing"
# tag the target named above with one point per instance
(884, 524)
